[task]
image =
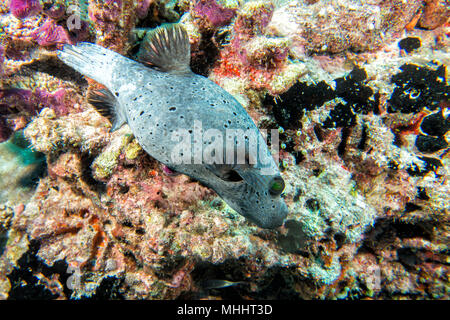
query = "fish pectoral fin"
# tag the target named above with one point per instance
(167, 48)
(107, 105)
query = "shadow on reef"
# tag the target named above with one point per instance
(206, 55)
(56, 68)
(275, 283)
(388, 232)
(27, 285)
(295, 240)
(3, 239)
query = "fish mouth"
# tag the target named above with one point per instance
(273, 224)
(270, 220)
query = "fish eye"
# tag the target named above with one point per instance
(276, 186)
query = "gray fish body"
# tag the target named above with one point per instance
(157, 105)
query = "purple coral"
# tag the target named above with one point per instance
(16, 99)
(50, 34)
(142, 8)
(23, 102)
(210, 10)
(24, 8)
(30, 102)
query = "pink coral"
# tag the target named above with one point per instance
(16, 105)
(24, 8)
(251, 54)
(210, 11)
(50, 34)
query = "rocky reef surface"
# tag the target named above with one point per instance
(358, 90)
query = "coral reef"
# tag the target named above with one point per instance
(334, 26)
(19, 105)
(113, 21)
(255, 56)
(358, 91)
(20, 170)
(209, 14)
(24, 8)
(434, 15)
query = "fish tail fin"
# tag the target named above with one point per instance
(90, 60)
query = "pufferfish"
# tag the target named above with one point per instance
(172, 113)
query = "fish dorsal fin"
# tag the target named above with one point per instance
(167, 48)
(107, 105)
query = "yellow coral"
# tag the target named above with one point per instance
(133, 150)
